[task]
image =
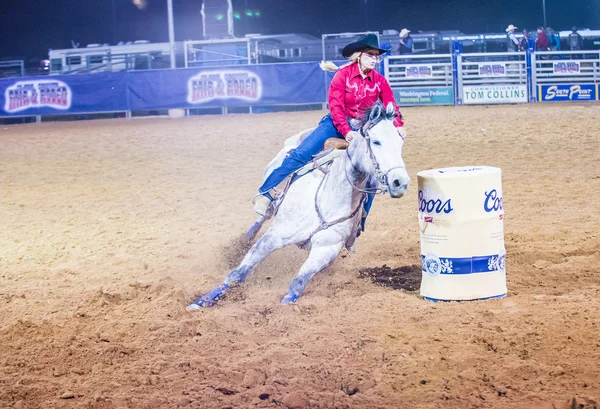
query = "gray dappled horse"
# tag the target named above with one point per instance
(322, 211)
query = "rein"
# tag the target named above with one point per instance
(324, 224)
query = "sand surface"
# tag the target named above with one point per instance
(110, 228)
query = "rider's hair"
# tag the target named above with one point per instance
(330, 66)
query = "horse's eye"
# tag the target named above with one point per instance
(376, 143)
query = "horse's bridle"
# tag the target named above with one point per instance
(382, 177)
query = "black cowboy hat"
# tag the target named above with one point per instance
(368, 42)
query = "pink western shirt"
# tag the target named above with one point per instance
(350, 95)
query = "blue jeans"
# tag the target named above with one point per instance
(296, 158)
(300, 156)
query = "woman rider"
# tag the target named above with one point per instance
(355, 88)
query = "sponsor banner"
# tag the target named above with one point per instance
(269, 84)
(492, 70)
(224, 84)
(568, 92)
(23, 95)
(102, 92)
(424, 96)
(494, 94)
(566, 67)
(419, 71)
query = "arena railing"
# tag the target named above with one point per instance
(444, 79)
(566, 66)
(420, 79)
(566, 75)
(491, 78)
(220, 52)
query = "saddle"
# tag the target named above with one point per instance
(335, 143)
(332, 148)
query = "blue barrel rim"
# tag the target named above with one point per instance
(474, 299)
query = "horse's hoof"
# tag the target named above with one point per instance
(289, 298)
(210, 299)
(192, 307)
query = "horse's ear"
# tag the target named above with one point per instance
(375, 112)
(390, 110)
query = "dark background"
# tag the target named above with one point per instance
(28, 28)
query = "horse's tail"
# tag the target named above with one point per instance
(255, 228)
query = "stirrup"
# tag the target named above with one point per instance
(261, 204)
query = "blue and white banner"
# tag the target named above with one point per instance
(102, 92)
(256, 85)
(251, 85)
(568, 92)
(433, 265)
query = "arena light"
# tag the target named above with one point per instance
(257, 13)
(237, 16)
(249, 13)
(220, 17)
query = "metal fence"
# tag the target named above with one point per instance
(13, 68)
(494, 78)
(216, 53)
(566, 67)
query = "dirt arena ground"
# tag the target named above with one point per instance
(109, 228)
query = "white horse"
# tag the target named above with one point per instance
(324, 212)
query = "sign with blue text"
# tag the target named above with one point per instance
(568, 92)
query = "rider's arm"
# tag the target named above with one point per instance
(337, 92)
(387, 96)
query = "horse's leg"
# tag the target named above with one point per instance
(261, 249)
(321, 255)
(254, 229)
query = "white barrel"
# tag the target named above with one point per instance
(462, 233)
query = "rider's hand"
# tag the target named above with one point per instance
(351, 135)
(401, 131)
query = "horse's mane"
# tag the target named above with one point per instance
(376, 114)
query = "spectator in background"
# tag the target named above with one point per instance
(524, 41)
(575, 40)
(542, 43)
(511, 40)
(406, 42)
(553, 38)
